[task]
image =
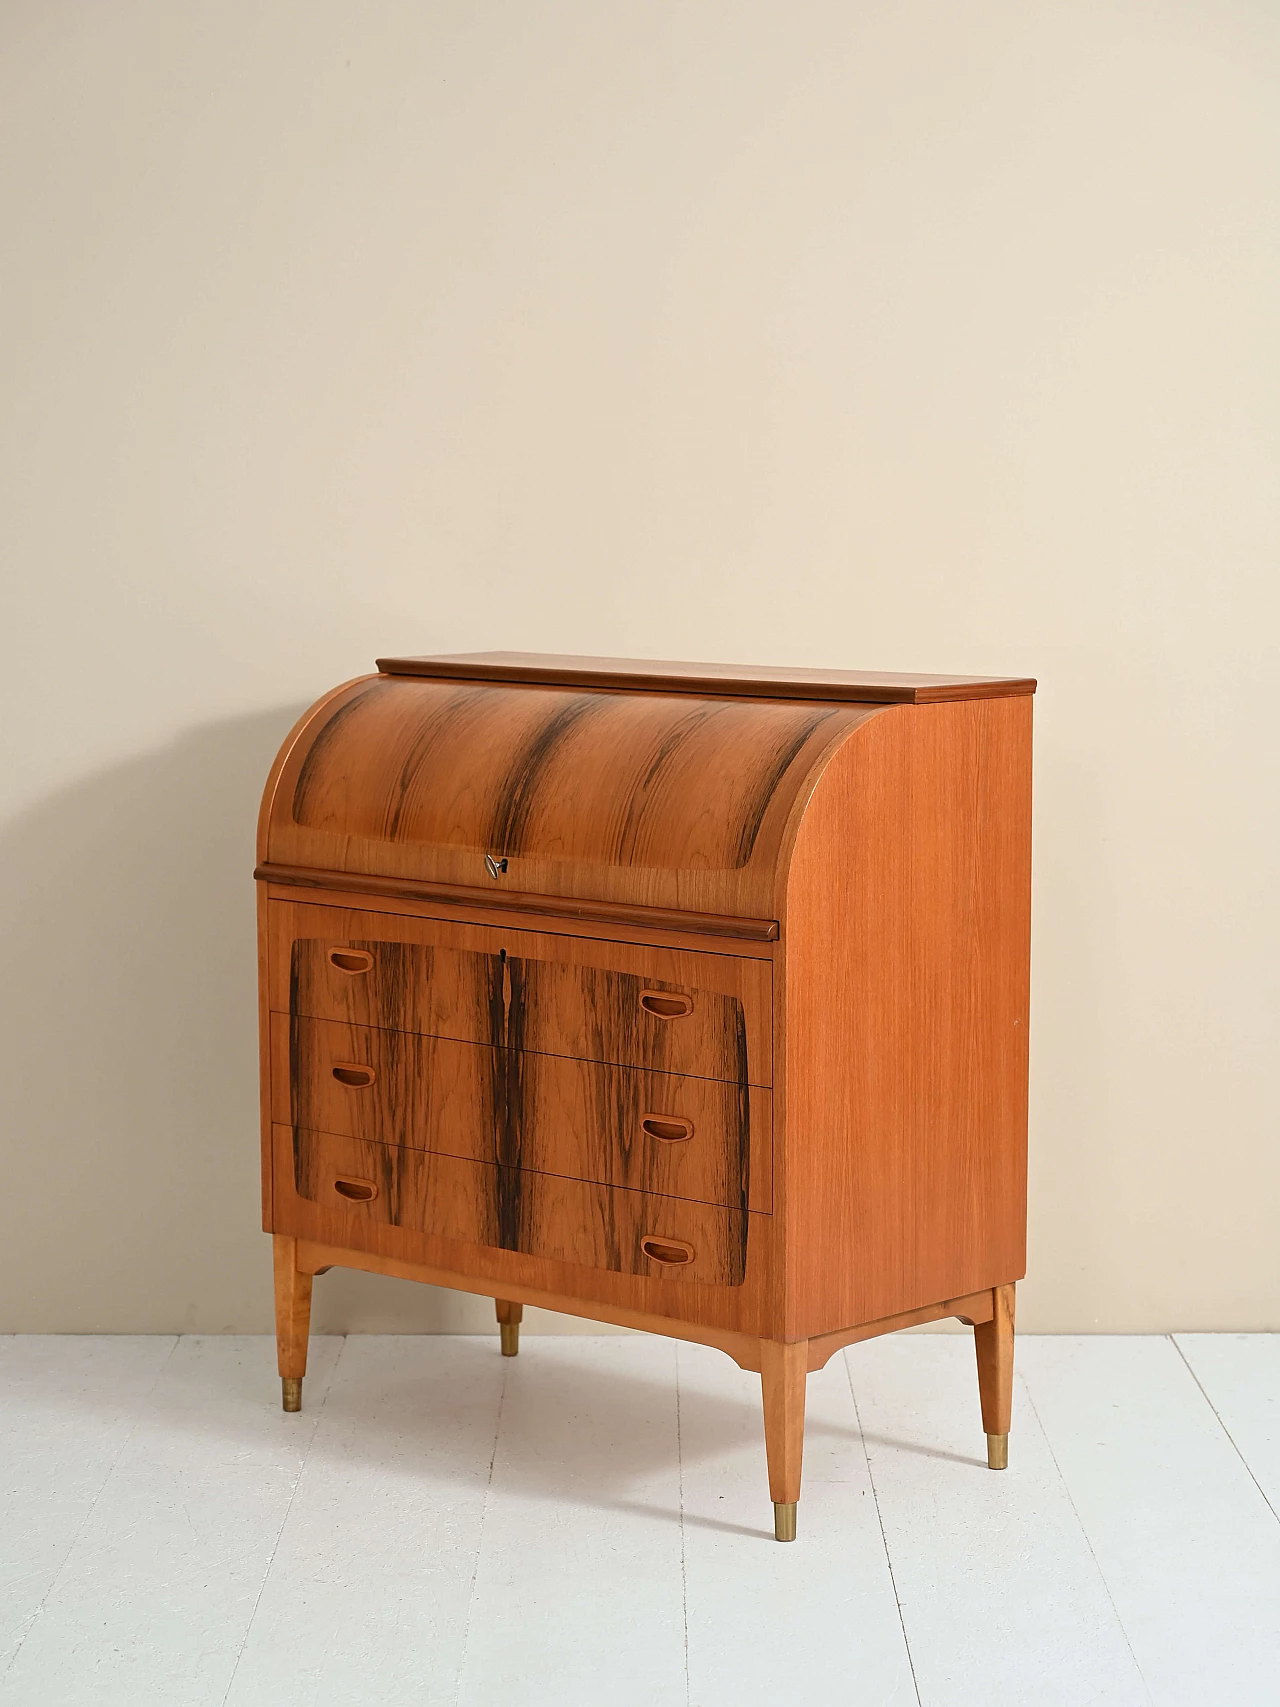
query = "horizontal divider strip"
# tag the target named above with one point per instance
(545, 1173)
(550, 906)
(549, 1054)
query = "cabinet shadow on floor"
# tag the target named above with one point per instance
(583, 1430)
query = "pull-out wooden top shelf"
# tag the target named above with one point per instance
(751, 681)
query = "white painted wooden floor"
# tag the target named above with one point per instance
(588, 1525)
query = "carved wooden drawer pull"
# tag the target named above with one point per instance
(665, 1004)
(669, 1128)
(356, 1190)
(673, 1252)
(351, 960)
(352, 1074)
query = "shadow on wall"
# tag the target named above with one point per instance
(130, 1059)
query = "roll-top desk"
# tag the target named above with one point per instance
(691, 998)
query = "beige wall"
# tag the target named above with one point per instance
(906, 336)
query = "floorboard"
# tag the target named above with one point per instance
(1187, 1544)
(996, 1580)
(589, 1524)
(1239, 1375)
(67, 1408)
(578, 1597)
(770, 1622)
(155, 1595)
(367, 1596)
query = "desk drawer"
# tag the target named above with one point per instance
(672, 1010)
(356, 1183)
(684, 1137)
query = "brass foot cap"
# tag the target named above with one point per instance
(509, 1332)
(997, 1452)
(291, 1392)
(784, 1520)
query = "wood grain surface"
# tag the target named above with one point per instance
(657, 800)
(537, 1215)
(660, 675)
(584, 1120)
(552, 994)
(993, 1345)
(293, 1308)
(549, 911)
(752, 1309)
(783, 1371)
(906, 920)
(584, 1302)
(743, 1348)
(974, 1308)
(647, 927)
(463, 1087)
(264, 1049)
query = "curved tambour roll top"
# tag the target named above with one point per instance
(662, 799)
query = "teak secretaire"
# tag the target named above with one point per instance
(687, 997)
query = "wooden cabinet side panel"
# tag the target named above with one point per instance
(907, 947)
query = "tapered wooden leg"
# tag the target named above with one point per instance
(509, 1317)
(293, 1320)
(783, 1370)
(993, 1341)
